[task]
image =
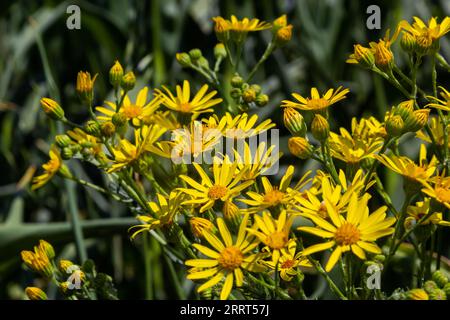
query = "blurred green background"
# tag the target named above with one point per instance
(39, 57)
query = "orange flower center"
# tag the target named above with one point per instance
(443, 195)
(132, 111)
(288, 264)
(273, 197)
(347, 234)
(231, 258)
(185, 107)
(217, 192)
(277, 240)
(318, 104)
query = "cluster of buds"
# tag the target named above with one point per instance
(403, 118)
(246, 94)
(282, 31)
(436, 289)
(84, 145)
(117, 77)
(195, 59)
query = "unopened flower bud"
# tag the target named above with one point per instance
(284, 35)
(408, 42)
(235, 93)
(64, 265)
(92, 127)
(447, 289)
(62, 140)
(219, 51)
(52, 109)
(108, 129)
(262, 100)
(440, 278)
(115, 74)
(429, 286)
(34, 293)
(195, 54)
(47, 248)
(183, 59)
(249, 95)
(409, 223)
(67, 153)
(279, 23)
(405, 109)
(418, 120)
(202, 62)
(300, 147)
(320, 127)
(85, 86)
(294, 122)
(128, 81)
(437, 294)
(119, 119)
(237, 81)
(198, 225)
(384, 58)
(256, 88)
(394, 126)
(364, 56)
(417, 294)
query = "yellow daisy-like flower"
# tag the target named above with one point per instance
(273, 233)
(225, 186)
(273, 195)
(356, 232)
(313, 203)
(226, 260)
(244, 25)
(50, 169)
(437, 129)
(166, 119)
(408, 168)
(164, 213)
(425, 34)
(316, 103)
(182, 102)
(438, 187)
(352, 149)
(241, 126)
(258, 163)
(289, 262)
(136, 112)
(422, 209)
(441, 104)
(126, 152)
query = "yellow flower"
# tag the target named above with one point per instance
(384, 58)
(225, 186)
(316, 103)
(426, 35)
(166, 119)
(441, 104)
(313, 202)
(183, 103)
(38, 261)
(85, 85)
(289, 263)
(362, 55)
(274, 195)
(407, 168)
(226, 260)
(241, 126)
(417, 294)
(50, 169)
(356, 232)
(352, 149)
(238, 28)
(136, 112)
(422, 209)
(438, 187)
(126, 152)
(34, 293)
(437, 129)
(258, 163)
(164, 213)
(199, 225)
(273, 233)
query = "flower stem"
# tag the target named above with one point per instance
(270, 47)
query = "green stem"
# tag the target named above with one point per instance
(147, 268)
(442, 62)
(270, 48)
(330, 282)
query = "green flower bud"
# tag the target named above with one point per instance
(195, 54)
(256, 88)
(34, 293)
(128, 81)
(294, 122)
(119, 119)
(63, 140)
(364, 56)
(183, 59)
(47, 248)
(249, 95)
(92, 127)
(429, 286)
(440, 278)
(115, 74)
(219, 51)
(437, 294)
(67, 153)
(237, 81)
(408, 42)
(447, 289)
(262, 100)
(418, 120)
(320, 127)
(202, 62)
(64, 265)
(236, 93)
(108, 129)
(394, 126)
(52, 109)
